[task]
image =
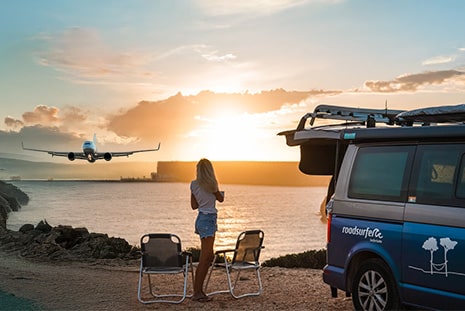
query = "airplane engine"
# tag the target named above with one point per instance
(71, 156)
(107, 156)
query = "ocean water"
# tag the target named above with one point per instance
(289, 216)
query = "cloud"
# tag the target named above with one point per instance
(253, 7)
(194, 125)
(438, 60)
(13, 123)
(195, 50)
(218, 58)
(413, 82)
(82, 54)
(180, 116)
(73, 115)
(172, 121)
(41, 115)
(68, 119)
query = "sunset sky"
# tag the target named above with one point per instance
(215, 79)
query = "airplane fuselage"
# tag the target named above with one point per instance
(89, 149)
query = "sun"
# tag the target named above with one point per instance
(234, 137)
(231, 135)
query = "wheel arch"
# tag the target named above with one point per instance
(364, 254)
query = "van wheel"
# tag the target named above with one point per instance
(374, 288)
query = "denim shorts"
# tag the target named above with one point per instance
(205, 225)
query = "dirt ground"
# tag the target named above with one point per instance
(113, 286)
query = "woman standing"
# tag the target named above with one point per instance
(204, 194)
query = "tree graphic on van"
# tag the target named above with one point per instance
(448, 245)
(431, 245)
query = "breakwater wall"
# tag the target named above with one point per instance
(242, 172)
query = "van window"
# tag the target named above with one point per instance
(438, 168)
(381, 173)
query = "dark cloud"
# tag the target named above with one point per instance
(49, 134)
(413, 82)
(37, 136)
(13, 123)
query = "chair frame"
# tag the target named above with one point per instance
(238, 265)
(158, 270)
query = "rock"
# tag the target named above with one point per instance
(68, 237)
(13, 191)
(12, 202)
(11, 199)
(43, 226)
(4, 203)
(4, 210)
(3, 217)
(65, 243)
(26, 228)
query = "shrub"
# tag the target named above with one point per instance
(196, 255)
(313, 259)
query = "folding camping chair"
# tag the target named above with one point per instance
(162, 254)
(244, 257)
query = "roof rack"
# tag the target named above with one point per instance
(355, 115)
(322, 147)
(362, 116)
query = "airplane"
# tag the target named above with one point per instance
(89, 152)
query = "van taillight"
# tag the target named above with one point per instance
(328, 228)
(329, 215)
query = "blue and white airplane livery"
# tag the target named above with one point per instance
(89, 152)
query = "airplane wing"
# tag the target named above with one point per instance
(101, 155)
(78, 155)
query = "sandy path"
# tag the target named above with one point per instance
(91, 286)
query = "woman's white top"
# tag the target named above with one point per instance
(206, 200)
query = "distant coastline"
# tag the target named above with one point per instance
(228, 172)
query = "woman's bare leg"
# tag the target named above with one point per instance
(206, 257)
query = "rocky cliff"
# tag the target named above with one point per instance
(11, 199)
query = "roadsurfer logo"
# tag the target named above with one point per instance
(374, 235)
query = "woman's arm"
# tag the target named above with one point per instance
(194, 203)
(219, 195)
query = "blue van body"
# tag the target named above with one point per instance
(396, 206)
(410, 214)
(424, 279)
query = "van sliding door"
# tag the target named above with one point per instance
(433, 251)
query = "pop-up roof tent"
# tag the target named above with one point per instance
(323, 147)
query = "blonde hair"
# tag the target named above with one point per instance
(206, 176)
